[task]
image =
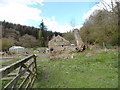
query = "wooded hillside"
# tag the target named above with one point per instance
(102, 27)
(16, 34)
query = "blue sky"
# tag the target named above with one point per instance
(65, 12)
(57, 16)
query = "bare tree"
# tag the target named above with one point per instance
(115, 7)
(114, 4)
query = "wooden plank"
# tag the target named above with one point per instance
(28, 69)
(35, 71)
(35, 63)
(20, 69)
(21, 85)
(9, 78)
(10, 84)
(29, 83)
(6, 70)
(12, 74)
(32, 82)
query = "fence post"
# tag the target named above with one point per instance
(35, 64)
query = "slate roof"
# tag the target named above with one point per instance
(58, 41)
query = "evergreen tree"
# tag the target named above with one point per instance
(42, 33)
(41, 38)
(42, 26)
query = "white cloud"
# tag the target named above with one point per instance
(54, 26)
(98, 6)
(86, 15)
(71, 0)
(18, 11)
(25, 2)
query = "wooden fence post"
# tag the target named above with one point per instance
(35, 64)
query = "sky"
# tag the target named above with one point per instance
(57, 15)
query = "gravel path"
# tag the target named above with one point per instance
(7, 58)
(43, 55)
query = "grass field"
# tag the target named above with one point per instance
(2, 62)
(97, 71)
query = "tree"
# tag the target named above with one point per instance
(115, 9)
(42, 26)
(69, 36)
(100, 27)
(7, 43)
(28, 41)
(42, 34)
(16, 31)
(41, 38)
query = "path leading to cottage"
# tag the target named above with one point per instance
(98, 70)
(44, 55)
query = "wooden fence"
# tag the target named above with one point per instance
(19, 75)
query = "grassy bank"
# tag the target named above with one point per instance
(99, 70)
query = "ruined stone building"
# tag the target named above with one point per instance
(79, 42)
(58, 43)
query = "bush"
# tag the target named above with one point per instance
(7, 42)
(28, 41)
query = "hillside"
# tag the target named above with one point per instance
(26, 36)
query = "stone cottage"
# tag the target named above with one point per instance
(58, 43)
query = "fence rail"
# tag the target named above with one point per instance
(21, 74)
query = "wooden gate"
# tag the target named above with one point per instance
(19, 75)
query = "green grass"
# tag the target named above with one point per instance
(96, 71)
(8, 62)
(5, 82)
(12, 61)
